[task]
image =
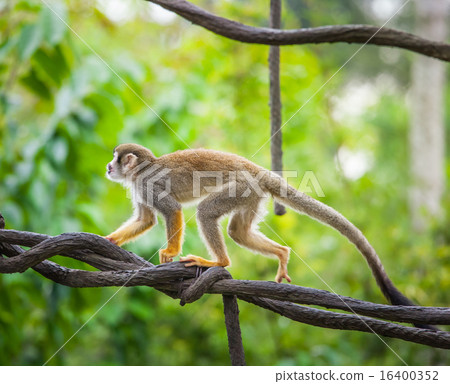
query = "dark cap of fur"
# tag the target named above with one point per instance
(141, 152)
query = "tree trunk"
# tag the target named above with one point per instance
(427, 141)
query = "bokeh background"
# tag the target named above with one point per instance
(63, 109)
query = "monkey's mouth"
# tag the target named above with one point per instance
(109, 173)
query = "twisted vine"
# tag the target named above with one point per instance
(118, 267)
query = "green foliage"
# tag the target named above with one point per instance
(65, 105)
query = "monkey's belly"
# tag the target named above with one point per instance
(187, 198)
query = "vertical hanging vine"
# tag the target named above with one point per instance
(275, 100)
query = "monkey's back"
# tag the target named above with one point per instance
(193, 170)
(207, 160)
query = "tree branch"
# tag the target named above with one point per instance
(326, 319)
(177, 281)
(353, 33)
(231, 311)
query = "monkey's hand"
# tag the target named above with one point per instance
(112, 240)
(167, 255)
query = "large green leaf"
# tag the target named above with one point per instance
(53, 22)
(6, 48)
(29, 40)
(32, 81)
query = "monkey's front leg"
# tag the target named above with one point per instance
(143, 220)
(174, 230)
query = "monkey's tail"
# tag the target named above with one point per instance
(305, 204)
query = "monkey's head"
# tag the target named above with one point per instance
(127, 161)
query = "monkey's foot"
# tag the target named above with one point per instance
(282, 272)
(192, 260)
(167, 255)
(282, 275)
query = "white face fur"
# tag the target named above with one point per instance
(113, 171)
(117, 171)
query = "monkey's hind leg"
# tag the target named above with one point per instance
(215, 243)
(208, 224)
(192, 260)
(242, 230)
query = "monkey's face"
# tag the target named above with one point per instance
(113, 169)
(120, 166)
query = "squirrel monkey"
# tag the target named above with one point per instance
(162, 184)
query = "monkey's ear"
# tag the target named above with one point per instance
(129, 160)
